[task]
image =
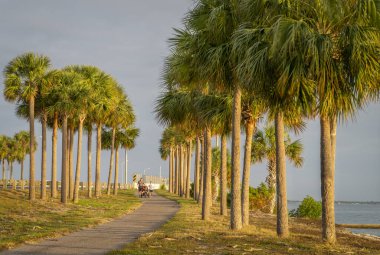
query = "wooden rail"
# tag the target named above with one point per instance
(13, 184)
(366, 226)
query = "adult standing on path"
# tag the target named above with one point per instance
(109, 236)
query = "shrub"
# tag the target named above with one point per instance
(162, 187)
(259, 198)
(309, 208)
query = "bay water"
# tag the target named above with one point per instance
(353, 213)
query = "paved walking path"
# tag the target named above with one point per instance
(109, 236)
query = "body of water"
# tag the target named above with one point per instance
(353, 213)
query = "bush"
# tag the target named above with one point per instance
(309, 208)
(259, 198)
(162, 187)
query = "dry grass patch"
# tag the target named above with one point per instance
(24, 221)
(186, 233)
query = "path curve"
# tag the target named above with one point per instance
(109, 236)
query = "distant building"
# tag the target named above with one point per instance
(156, 180)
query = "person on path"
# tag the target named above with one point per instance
(140, 185)
(151, 189)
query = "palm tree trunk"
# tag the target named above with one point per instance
(327, 183)
(22, 174)
(207, 194)
(5, 176)
(14, 182)
(111, 161)
(98, 150)
(43, 163)
(64, 161)
(188, 170)
(184, 173)
(3, 169)
(201, 172)
(71, 161)
(89, 159)
(271, 181)
(223, 175)
(54, 157)
(116, 181)
(236, 220)
(333, 126)
(175, 170)
(196, 172)
(282, 206)
(181, 170)
(79, 159)
(11, 170)
(250, 126)
(171, 170)
(32, 190)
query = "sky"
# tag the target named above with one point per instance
(128, 39)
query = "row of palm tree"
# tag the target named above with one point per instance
(293, 60)
(14, 149)
(71, 99)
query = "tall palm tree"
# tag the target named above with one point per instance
(273, 77)
(92, 76)
(216, 109)
(264, 147)
(122, 113)
(211, 25)
(64, 97)
(83, 101)
(22, 76)
(342, 38)
(252, 109)
(104, 90)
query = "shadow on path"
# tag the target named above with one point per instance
(101, 239)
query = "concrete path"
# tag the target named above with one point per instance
(109, 236)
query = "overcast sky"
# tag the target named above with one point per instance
(128, 39)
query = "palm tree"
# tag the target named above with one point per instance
(3, 154)
(167, 148)
(64, 97)
(104, 92)
(253, 109)
(176, 108)
(127, 140)
(22, 141)
(342, 38)
(272, 76)
(122, 113)
(22, 77)
(83, 102)
(92, 76)
(11, 155)
(264, 147)
(216, 109)
(205, 59)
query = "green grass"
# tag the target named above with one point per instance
(24, 221)
(186, 233)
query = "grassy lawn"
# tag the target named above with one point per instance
(25, 221)
(186, 233)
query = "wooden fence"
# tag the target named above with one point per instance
(23, 184)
